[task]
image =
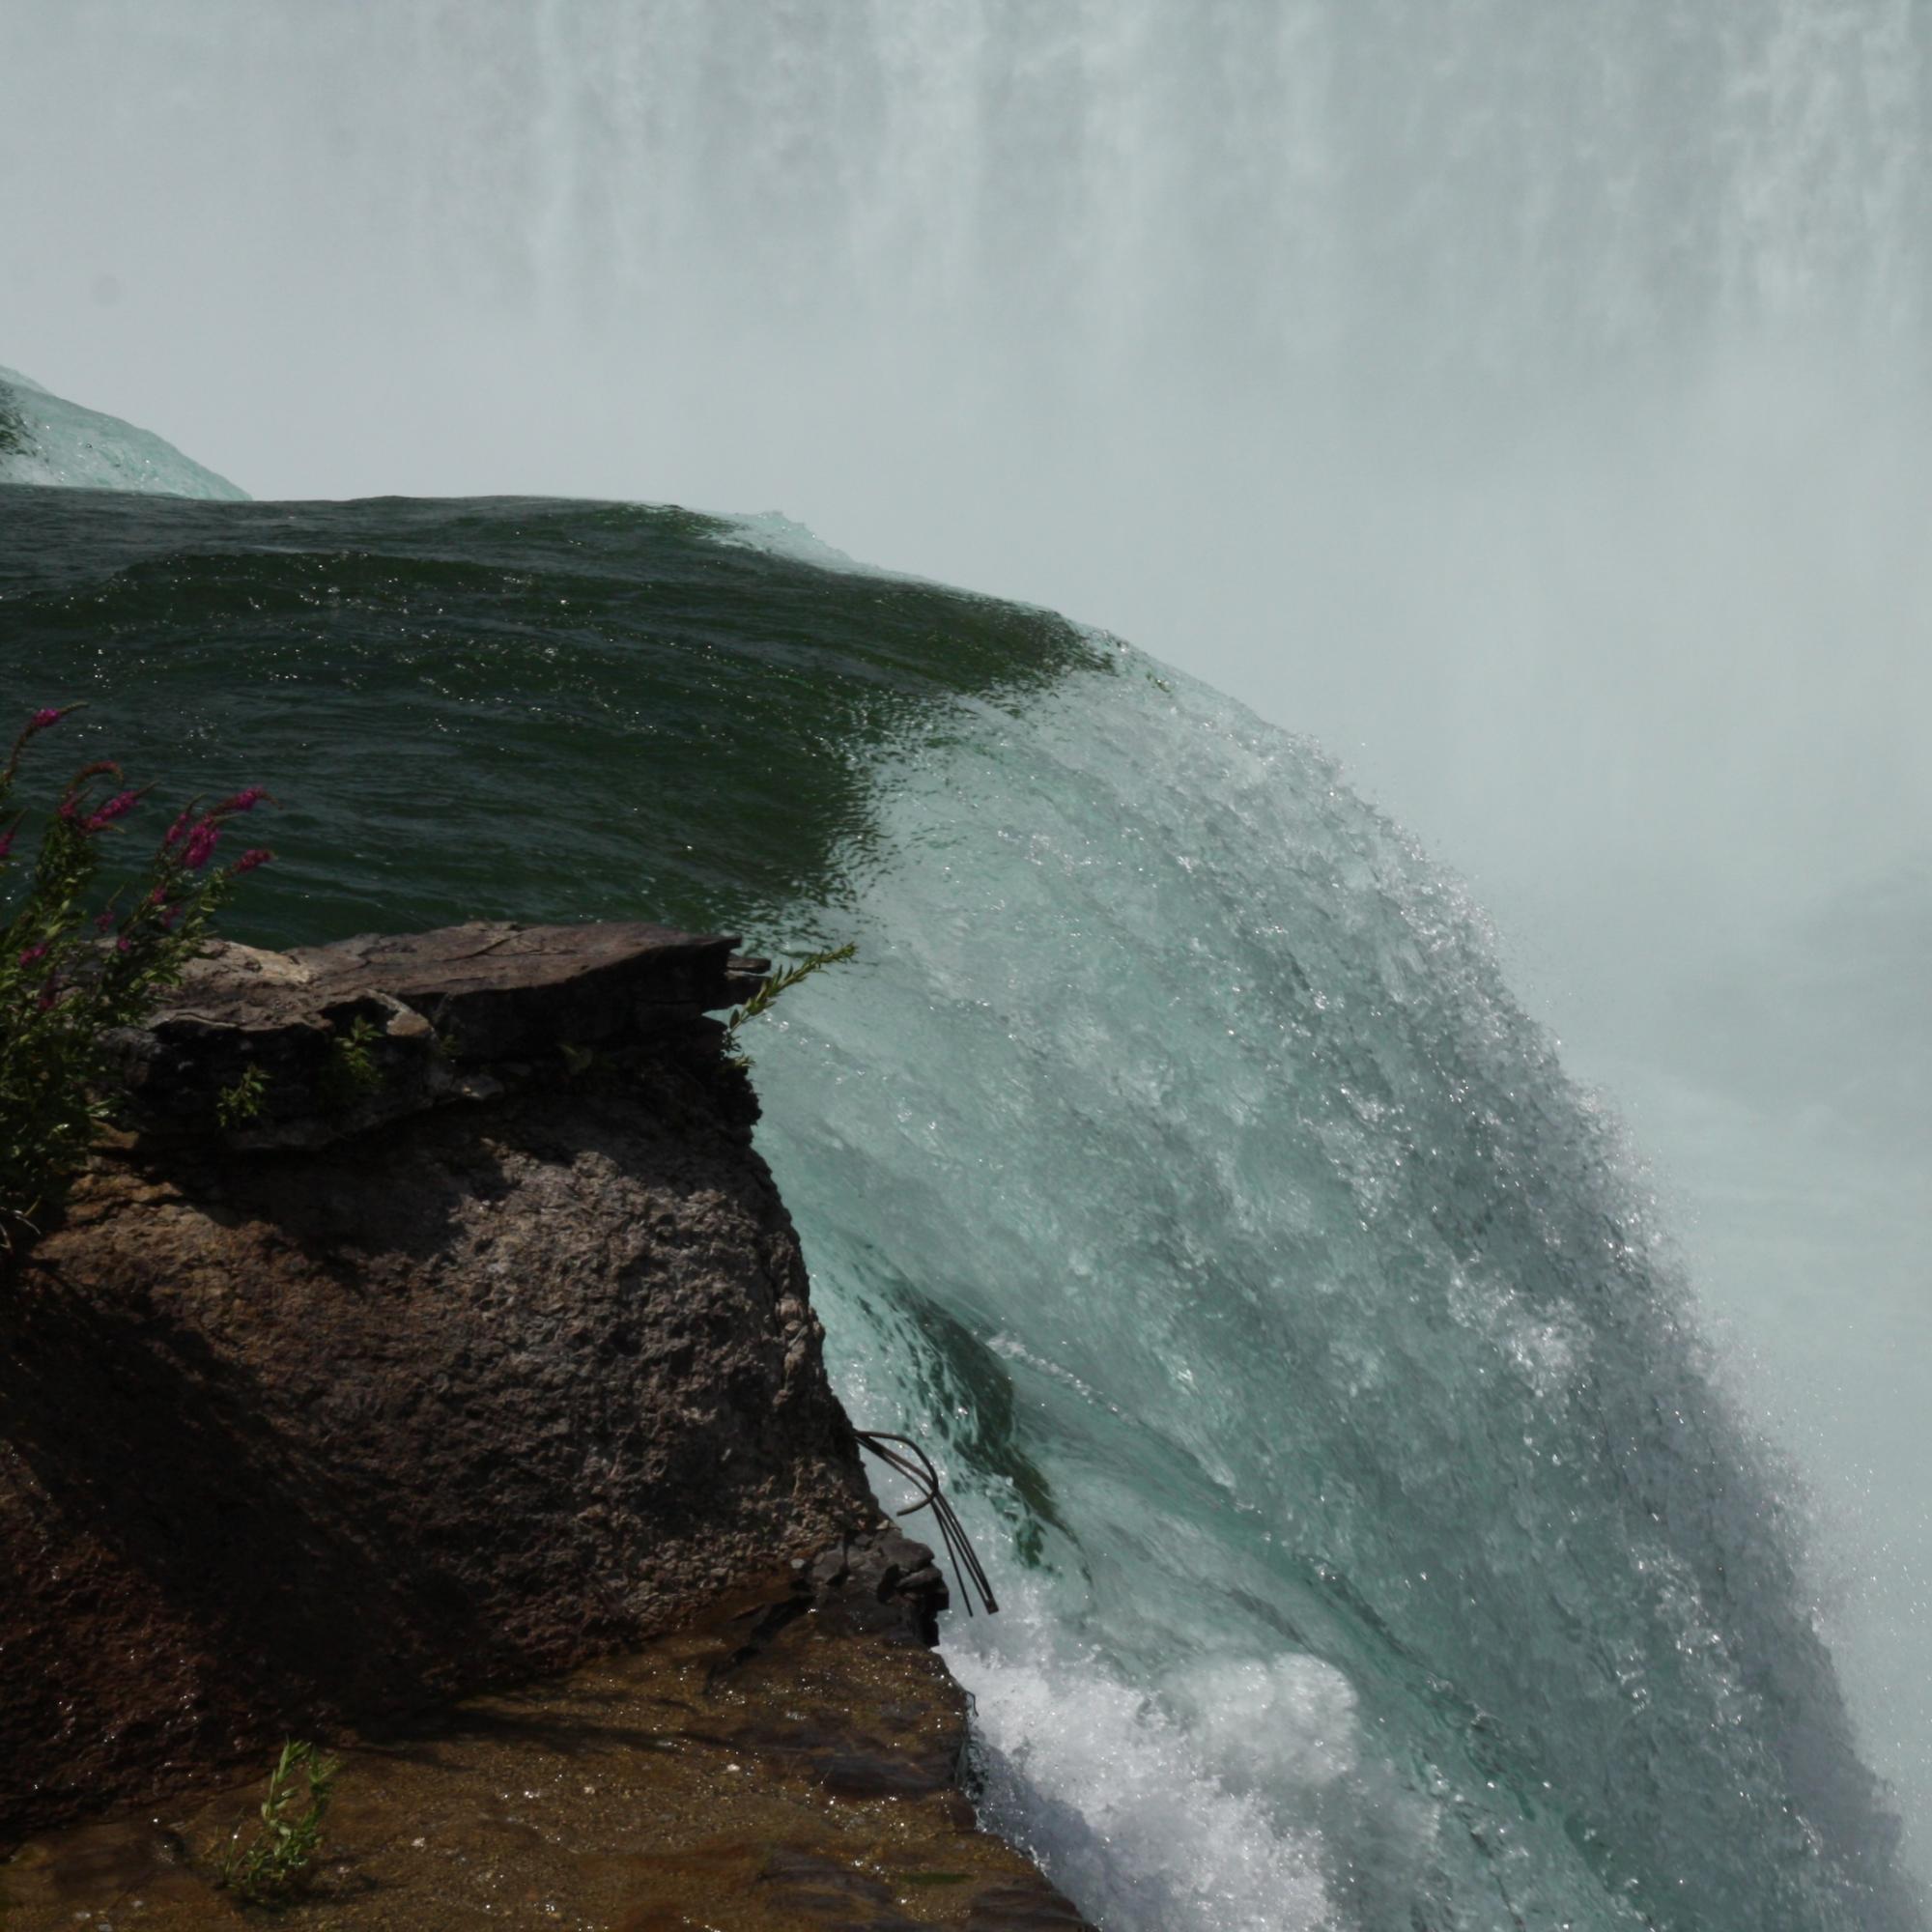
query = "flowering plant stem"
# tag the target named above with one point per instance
(74, 964)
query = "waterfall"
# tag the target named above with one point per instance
(1091, 208)
(1529, 401)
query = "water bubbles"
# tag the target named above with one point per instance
(1334, 1403)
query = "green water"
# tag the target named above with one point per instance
(494, 708)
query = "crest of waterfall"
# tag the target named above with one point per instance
(1182, 1157)
(1547, 353)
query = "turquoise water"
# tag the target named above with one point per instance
(1181, 1154)
(45, 439)
(1311, 1365)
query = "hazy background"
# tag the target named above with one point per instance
(1527, 397)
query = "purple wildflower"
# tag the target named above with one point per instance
(177, 831)
(201, 844)
(34, 953)
(48, 714)
(104, 921)
(75, 796)
(243, 801)
(256, 855)
(118, 806)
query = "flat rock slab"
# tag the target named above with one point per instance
(503, 985)
(315, 1416)
(262, 1049)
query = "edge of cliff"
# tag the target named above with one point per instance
(434, 1326)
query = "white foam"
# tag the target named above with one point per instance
(778, 536)
(1152, 1825)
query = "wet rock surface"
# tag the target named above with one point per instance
(715, 1779)
(884, 1581)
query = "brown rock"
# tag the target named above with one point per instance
(437, 1017)
(711, 1778)
(293, 1442)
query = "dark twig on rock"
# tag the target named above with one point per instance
(916, 1467)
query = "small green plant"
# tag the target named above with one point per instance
(277, 1862)
(73, 967)
(351, 1069)
(236, 1105)
(782, 983)
(761, 1001)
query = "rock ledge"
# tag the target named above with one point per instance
(338, 1038)
(489, 1361)
(474, 1347)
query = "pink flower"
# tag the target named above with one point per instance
(104, 921)
(158, 897)
(75, 797)
(243, 801)
(179, 828)
(115, 807)
(124, 944)
(47, 713)
(256, 855)
(201, 844)
(34, 953)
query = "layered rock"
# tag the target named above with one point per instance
(334, 1039)
(480, 1346)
